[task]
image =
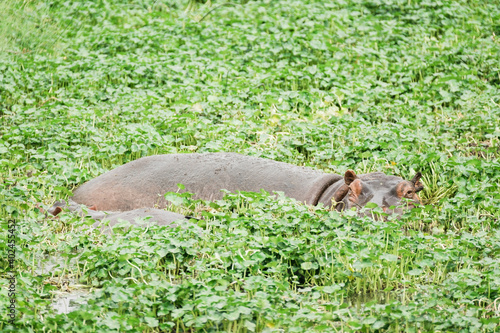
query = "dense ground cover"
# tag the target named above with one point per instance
(392, 86)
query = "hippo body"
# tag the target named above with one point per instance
(143, 217)
(143, 182)
(151, 215)
(107, 220)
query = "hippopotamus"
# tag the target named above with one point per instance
(138, 217)
(143, 183)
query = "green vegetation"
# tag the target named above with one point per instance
(28, 27)
(393, 86)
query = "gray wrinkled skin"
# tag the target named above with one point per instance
(142, 183)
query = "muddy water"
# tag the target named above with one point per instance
(72, 295)
(65, 302)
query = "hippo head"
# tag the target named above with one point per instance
(59, 206)
(378, 188)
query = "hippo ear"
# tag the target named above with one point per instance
(416, 178)
(56, 211)
(349, 177)
(340, 194)
(417, 183)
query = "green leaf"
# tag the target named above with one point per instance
(415, 272)
(307, 265)
(389, 257)
(151, 322)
